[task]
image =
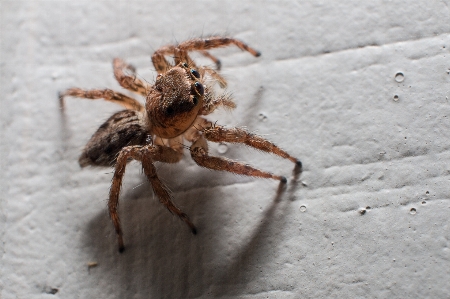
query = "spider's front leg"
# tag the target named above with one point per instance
(237, 135)
(146, 154)
(126, 81)
(199, 153)
(200, 44)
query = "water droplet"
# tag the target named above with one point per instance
(262, 117)
(302, 209)
(396, 98)
(399, 77)
(222, 148)
(412, 211)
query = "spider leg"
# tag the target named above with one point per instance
(162, 65)
(106, 94)
(180, 52)
(198, 44)
(126, 81)
(215, 75)
(213, 58)
(159, 61)
(199, 153)
(168, 150)
(212, 103)
(202, 45)
(160, 190)
(237, 135)
(145, 154)
(122, 159)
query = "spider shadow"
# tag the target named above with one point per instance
(237, 277)
(155, 242)
(162, 257)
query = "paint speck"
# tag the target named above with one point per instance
(399, 77)
(92, 265)
(222, 148)
(303, 209)
(396, 98)
(262, 117)
(413, 211)
(50, 290)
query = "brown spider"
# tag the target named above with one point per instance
(173, 112)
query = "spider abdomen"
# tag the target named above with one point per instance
(122, 129)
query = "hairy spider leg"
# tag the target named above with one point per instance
(237, 135)
(162, 65)
(199, 44)
(213, 58)
(214, 75)
(199, 153)
(202, 45)
(212, 103)
(126, 81)
(106, 94)
(146, 155)
(180, 53)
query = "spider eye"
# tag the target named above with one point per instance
(199, 88)
(195, 100)
(185, 64)
(169, 111)
(195, 73)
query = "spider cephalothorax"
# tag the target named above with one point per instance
(173, 112)
(175, 101)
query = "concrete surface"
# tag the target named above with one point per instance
(368, 218)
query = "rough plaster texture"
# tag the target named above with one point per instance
(323, 90)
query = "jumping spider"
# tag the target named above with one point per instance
(173, 112)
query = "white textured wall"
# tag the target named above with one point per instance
(323, 89)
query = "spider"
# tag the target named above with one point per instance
(174, 111)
